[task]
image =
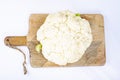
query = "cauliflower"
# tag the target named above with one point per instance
(64, 37)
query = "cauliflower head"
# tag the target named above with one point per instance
(64, 37)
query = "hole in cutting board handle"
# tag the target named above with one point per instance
(16, 40)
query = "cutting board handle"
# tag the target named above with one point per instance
(15, 40)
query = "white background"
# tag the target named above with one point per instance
(14, 16)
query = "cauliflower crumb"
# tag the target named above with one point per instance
(64, 37)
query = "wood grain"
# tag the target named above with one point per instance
(94, 55)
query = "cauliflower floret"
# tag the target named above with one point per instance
(64, 37)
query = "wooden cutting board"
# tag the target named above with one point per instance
(94, 55)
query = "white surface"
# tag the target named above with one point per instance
(14, 17)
